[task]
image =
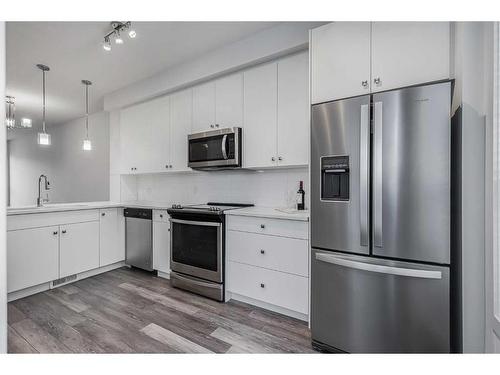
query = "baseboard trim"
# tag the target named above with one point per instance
(47, 286)
(163, 275)
(267, 306)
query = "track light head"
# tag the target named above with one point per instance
(106, 45)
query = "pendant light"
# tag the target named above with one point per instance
(87, 145)
(43, 136)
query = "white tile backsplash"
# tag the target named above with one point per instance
(271, 188)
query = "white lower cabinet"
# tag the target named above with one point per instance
(268, 262)
(161, 241)
(111, 236)
(79, 248)
(32, 257)
(277, 288)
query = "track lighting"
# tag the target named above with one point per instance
(117, 28)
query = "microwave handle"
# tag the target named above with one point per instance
(224, 152)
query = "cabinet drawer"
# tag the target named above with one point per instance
(160, 215)
(44, 219)
(275, 227)
(275, 253)
(277, 288)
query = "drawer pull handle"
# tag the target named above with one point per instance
(262, 226)
(54, 233)
(64, 231)
(103, 214)
(161, 216)
(262, 285)
(262, 251)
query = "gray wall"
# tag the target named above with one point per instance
(75, 175)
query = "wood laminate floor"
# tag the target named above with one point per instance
(130, 311)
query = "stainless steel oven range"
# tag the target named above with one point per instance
(197, 243)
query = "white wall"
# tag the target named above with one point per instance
(3, 227)
(270, 188)
(75, 175)
(473, 82)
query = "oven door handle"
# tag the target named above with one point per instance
(224, 152)
(192, 222)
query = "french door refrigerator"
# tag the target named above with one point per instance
(380, 222)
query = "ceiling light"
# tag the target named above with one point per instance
(43, 137)
(87, 144)
(26, 122)
(117, 28)
(106, 45)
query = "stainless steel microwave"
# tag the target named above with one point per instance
(215, 149)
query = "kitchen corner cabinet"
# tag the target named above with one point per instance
(111, 236)
(356, 58)
(79, 248)
(218, 104)
(32, 257)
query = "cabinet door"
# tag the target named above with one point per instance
(135, 139)
(32, 257)
(79, 248)
(161, 246)
(260, 110)
(340, 61)
(409, 53)
(159, 118)
(111, 236)
(229, 101)
(204, 107)
(293, 110)
(181, 112)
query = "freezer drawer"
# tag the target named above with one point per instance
(367, 305)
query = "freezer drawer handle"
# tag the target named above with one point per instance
(408, 272)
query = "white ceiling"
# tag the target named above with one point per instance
(73, 51)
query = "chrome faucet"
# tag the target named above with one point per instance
(40, 201)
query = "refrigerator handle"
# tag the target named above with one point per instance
(364, 177)
(377, 178)
(378, 268)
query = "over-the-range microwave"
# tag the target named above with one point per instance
(215, 149)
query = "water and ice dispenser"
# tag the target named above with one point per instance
(335, 178)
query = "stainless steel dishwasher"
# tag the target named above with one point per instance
(139, 238)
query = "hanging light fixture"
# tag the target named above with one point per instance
(87, 144)
(10, 115)
(117, 28)
(43, 137)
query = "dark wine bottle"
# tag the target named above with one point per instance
(301, 197)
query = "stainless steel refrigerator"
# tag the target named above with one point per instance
(381, 222)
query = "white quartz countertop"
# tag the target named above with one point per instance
(256, 211)
(270, 212)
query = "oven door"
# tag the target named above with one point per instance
(218, 148)
(196, 249)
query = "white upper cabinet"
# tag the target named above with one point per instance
(135, 139)
(356, 58)
(204, 107)
(409, 53)
(340, 61)
(181, 104)
(159, 118)
(229, 101)
(293, 110)
(260, 96)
